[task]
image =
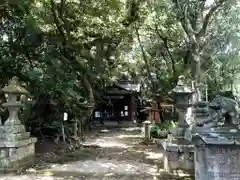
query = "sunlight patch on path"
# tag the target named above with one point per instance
(27, 177)
(130, 129)
(106, 143)
(119, 141)
(104, 131)
(105, 166)
(120, 155)
(152, 155)
(122, 136)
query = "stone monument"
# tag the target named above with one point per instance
(178, 150)
(17, 148)
(216, 137)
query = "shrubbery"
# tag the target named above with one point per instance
(161, 130)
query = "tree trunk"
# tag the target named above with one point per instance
(197, 73)
(76, 128)
(63, 132)
(195, 26)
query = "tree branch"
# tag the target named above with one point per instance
(187, 22)
(133, 8)
(210, 13)
(57, 22)
(165, 42)
(144, 55)
(65, 24)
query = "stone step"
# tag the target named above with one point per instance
(14, 137)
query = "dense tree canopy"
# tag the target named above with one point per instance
(193, 38)
(66, 51)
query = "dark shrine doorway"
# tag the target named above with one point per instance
(119, 104)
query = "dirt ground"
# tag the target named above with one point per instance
(112, 154)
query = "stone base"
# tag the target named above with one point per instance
(13, 158)
(178, 156)
(217, 162)
(176, 160)
(17, 149)
(15, 166)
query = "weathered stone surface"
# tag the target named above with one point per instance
(13, 165)
(178, 155)
(16, 147)
(178, 150)
(217, 162)
(217, 155)
(178, 132)
(14, 87)
(174, 160)
(4, 153)
(168, 147)
(147, 129)
(14, 137)
(22, 151)
(17, 143)
(177, 146)
(12, 129)
(14, 154)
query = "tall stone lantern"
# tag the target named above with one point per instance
(178, 151)
(17, 148)
(183, 103)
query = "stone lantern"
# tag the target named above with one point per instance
(13, 94)
(17, 148)
(178, 150)
(183, 103)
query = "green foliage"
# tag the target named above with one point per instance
(174, 36)
(66, 52)
(161, 130)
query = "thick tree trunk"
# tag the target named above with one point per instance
(195, 26)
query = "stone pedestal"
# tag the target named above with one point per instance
(17, 149)
(217, 155)
(216, 140)
(217, 162)
(178, 154)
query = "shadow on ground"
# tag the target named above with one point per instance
(113, 154)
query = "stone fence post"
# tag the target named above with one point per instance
(147, 130)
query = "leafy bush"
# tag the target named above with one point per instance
(161, 130)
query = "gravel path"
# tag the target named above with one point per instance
(120, 155)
